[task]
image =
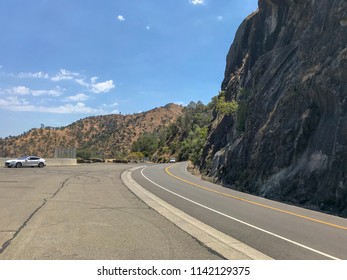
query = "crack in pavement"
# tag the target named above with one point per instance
(45, 200)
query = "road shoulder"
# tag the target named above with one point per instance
(219, 242)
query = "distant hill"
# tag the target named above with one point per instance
(107, 136)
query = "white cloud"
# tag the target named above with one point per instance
(121, 18)
(20, 90)
(95, 87)
(64, 74)
(37, 75)
(93, 79)
(77, 97)
(148, 27)
(220, 18)
(52, 92)
(101, 87)
(197, 2)
(25, 75)
(24, 98)
(79, 108)
(81, 82)
(13, 103)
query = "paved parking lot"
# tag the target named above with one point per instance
(84, 212)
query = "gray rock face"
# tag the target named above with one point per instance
(287, 68)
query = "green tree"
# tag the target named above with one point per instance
(147, 144)
(135, 156)
(192, 146)
(224, 107)
(83, 153)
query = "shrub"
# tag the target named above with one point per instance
(225, 107)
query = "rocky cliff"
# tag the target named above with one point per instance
(287, 69)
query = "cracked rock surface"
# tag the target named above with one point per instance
(287, 67)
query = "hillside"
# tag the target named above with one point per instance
(287, 71)
(106, 136)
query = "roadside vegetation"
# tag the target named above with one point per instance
(185, 138)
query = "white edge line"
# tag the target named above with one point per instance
(240, 221)
(221, 243)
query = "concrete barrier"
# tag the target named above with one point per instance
(50, 161)
(60, 161)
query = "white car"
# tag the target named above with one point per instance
(172, 160)
(27, 161)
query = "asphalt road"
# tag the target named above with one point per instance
(84, 212)
(278, 230)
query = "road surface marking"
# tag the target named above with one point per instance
(240, 221)
(253, 202)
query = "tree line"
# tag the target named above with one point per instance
(186, 137)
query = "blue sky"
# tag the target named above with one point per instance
(64, 60)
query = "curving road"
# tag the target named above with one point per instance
(278, 230)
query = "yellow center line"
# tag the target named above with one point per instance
(252, 202)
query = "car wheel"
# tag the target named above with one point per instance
(18, 165)
(41, 164)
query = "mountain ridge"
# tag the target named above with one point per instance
(106, 136)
